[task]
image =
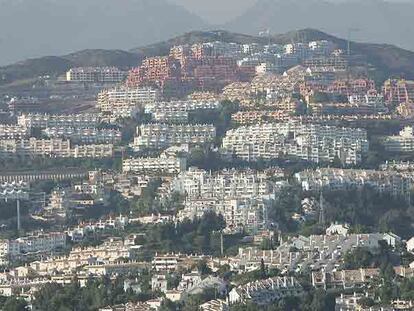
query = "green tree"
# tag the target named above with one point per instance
(15, 304)
(203, 268)
(358, 258)
(263, 270)
(366, 302)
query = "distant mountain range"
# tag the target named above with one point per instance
(374, 21)
(388, 60)
(33, 28)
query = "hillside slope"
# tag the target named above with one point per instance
(388, 59)
(162, 48)
(54, 65)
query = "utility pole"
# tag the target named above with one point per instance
(350, 32)
(221, 244)
(321, 211)
(19, 226)
(269, 37)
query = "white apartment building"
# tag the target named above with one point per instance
(38, 120)
(93, 151)
(82, 229)
(399, 166)
(108, 253)
(84, 135)
(58, 200)
(160, 165)
(311, 142)
(401, 143)
(138, 95)
(371, 100)
(215, 305)
(126, 102)
(189, 281)
(391, 182)
(159, 283)
(35, 147)
(178, 117)
(264, 68)
(165, 263)
(161, 136)
(322, 47)
(13, 131)
(177, 111)
(36, 243)
(300, 50)
(248, 214)
(196, 183)
(95, 75)
(54, 148)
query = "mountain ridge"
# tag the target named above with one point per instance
(376, 20)
(389, 59)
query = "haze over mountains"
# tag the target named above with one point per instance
(216, 12)
(374, 21)
(31, 28)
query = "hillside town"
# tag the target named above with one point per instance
(219, 176)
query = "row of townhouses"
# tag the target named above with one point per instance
(14, 190)
(177, 111)
(38, 120)
(393, 182)
(161, 136)
(404, 142)
(36, 243)
(53, 148)
(265, 292)
(95, 75)
(13, 131)
(163, 165)
(125, 102)
(84, 135)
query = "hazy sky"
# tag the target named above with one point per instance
(216, 11)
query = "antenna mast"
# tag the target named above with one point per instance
(321, 211)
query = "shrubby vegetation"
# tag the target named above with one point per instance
(365, 209)
(374, 211)
(220, 118)
(13, 304)
(198, 236)
(362, 257)
(97, 293)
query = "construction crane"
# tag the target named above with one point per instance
(350, 32)
(266, 33)
(17, 199)
(321, 211)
